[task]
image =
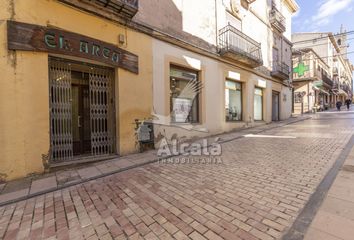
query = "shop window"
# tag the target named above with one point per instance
(185, 89)
(258, 104)
(233, 101)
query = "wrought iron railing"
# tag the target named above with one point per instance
(123, 8)
(277, 19)
(281, 67)
(132, 3)
(326, 78)
(233, 40)
(345, 88)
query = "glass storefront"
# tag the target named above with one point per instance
(258, 104)
(233, 101)
(185, 88)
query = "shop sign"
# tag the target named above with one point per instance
(29, 37)
(262, 83)
(234, 75)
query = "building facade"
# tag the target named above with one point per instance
(78, 74)
(74, 79)
(322, 73)
(238, 53)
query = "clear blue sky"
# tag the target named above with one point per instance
(325, 16)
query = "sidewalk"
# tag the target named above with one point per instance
(32, 186)
(335, 218)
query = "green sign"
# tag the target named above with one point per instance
(301, 69)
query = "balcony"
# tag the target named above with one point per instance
(345, 88)
(237, 46)
(327, 79)
(121, 8)
(280, 70)
(277, 20)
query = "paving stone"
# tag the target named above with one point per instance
(314, 234)
(13, 195)
(88, 172)
(43, 184)
(252, 195)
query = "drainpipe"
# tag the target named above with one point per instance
(216, 23)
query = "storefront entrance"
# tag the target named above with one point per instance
(81, 110)
(275, 106)
(258, 104)
(81, 128)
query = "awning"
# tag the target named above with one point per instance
(341, 92)
(324, 92)
(320, 90)
(315, 88)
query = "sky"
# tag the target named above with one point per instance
(325, 16)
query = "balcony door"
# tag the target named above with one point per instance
(275, 58)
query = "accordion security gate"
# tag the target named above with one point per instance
(101, 113)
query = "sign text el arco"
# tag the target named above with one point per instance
(29, 37)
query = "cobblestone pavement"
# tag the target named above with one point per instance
(256, 193)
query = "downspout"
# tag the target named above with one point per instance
(216, 24)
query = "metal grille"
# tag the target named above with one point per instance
(60, 111)
(101, 114)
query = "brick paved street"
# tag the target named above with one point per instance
(256, 193)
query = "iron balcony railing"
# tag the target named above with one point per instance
(326, 78)
(345, 88)
(280, 70)
(323, 75)
(277, 20)
(281, 67)
(132, 3)
(244, 48)
(122, 8)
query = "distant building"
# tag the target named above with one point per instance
(322, 73)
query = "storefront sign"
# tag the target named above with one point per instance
(234, 75)
(29, 37)
(262, 83)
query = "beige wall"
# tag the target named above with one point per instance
(24, 101)
(213, 74)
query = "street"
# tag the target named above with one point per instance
(255, 193)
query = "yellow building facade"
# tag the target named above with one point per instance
(34, 98)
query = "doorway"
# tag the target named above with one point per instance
(275, 106)
(258, 104)
(82, 120)
(81, 128)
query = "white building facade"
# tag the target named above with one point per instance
(236, 53)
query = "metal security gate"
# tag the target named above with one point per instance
(100, 112)
(65, 125)
(60, 111)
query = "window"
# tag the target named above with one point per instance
(233, 101)
(184, 95)
(258, 104)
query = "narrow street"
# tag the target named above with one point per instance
(256, 192)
